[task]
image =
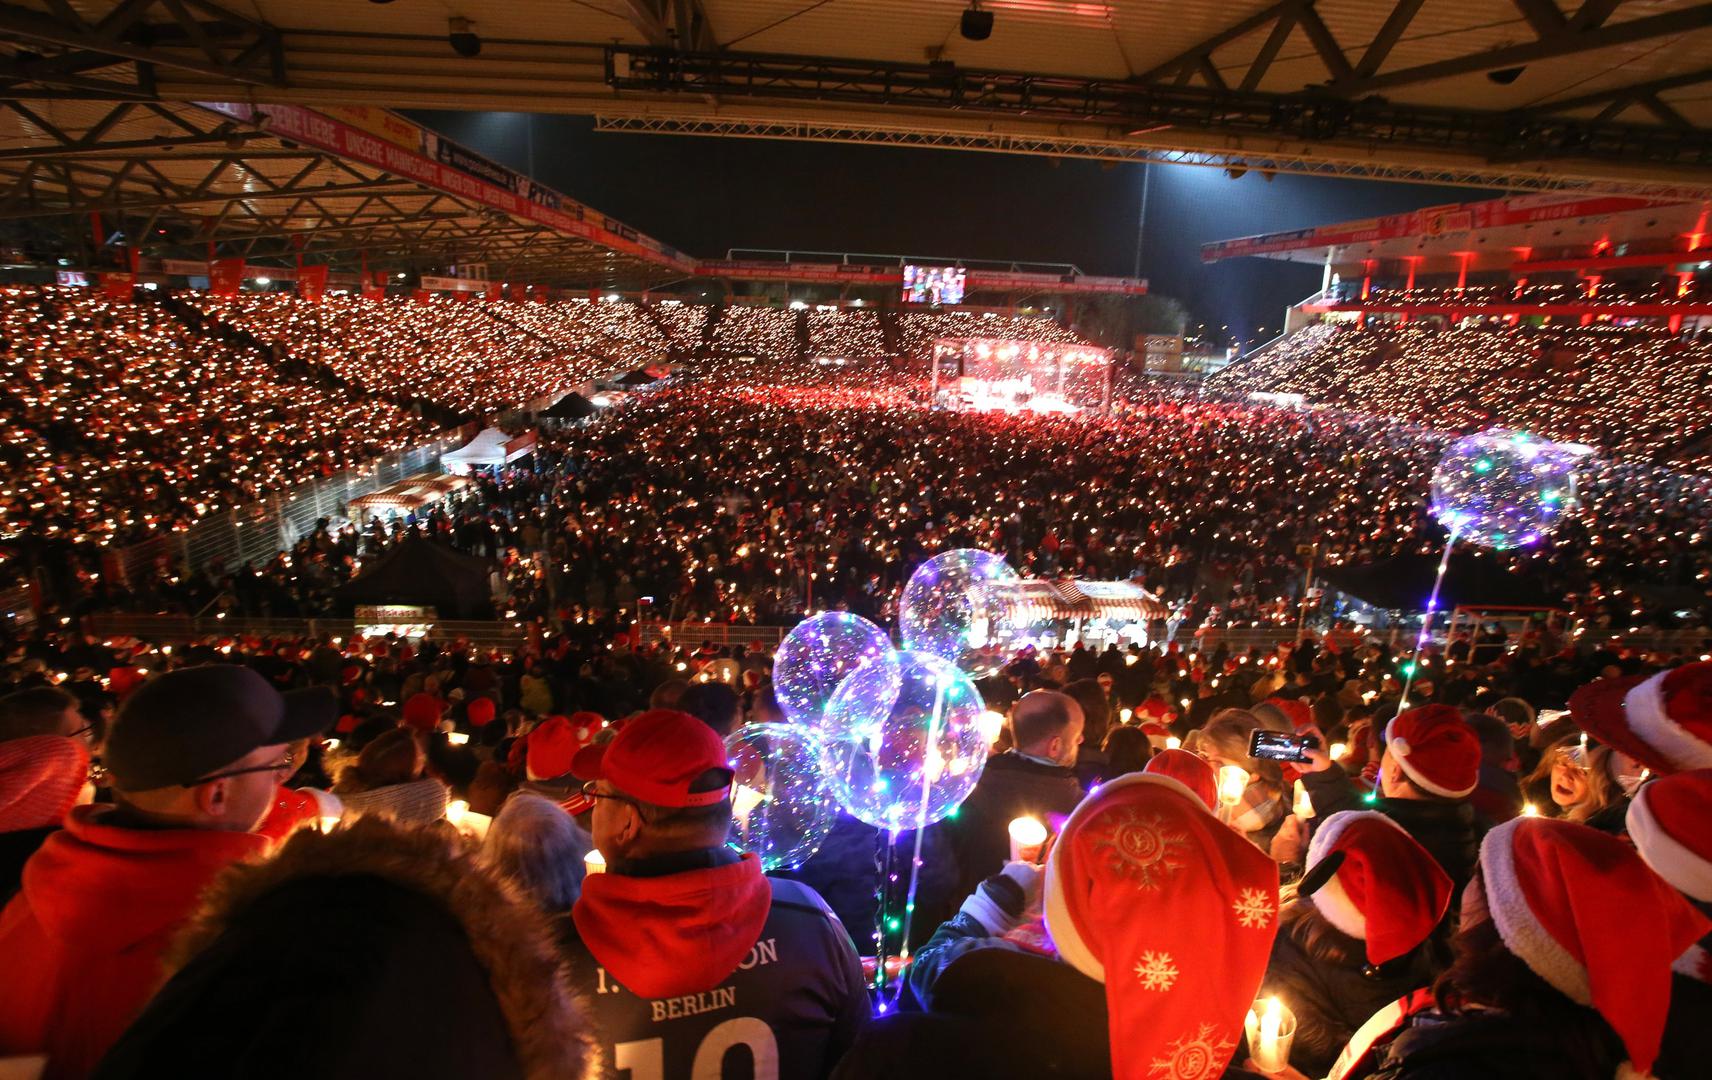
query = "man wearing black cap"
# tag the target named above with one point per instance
(193, 760)
(696, 964)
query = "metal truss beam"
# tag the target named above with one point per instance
(1118, 149)
(672, 24)
(134, 38)
(1314, 118)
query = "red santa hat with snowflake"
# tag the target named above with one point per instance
(1150, 894)
(1436, 749)
(1582, 910)
(1373, 881)
(1664, 721)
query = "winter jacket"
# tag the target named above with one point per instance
(376, 950)
(1684, 1052)
(685, 956)
(845, 874)
(1493, 1044)
(81, 943)
(1450, 831)
(1325, 985)
(1012, 786)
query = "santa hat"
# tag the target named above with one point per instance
(1150, 894)
(1585, 914)
(40, 778)
(1436, 749)
(1669, 825)
(296, 808)
(1373, 881)
(422, 711)
(1295, 712)
(1190, 770)
(553, 744)
(479, 712)
(1663, 721)
(1157, 734)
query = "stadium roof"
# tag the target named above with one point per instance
(180, 180)
(1524, 233)
(1524, 93)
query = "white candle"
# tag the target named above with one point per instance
(1233, 781)
(1270, 1033)
(1172, 742)
(1027, 835)
(456, 811)
(1339, 750)
(1304, 806)
(594, 862)
(457, 738)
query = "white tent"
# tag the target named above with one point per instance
(491, 447)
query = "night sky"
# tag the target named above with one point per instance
(706, 195)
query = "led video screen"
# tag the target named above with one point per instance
(933, 285)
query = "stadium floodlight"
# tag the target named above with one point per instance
(977, 25)
(461, 34)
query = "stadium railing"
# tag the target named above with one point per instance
(183, 628)
(259, 531)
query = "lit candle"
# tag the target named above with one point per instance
(1339, 750)
(992, 725)
(1304, 806)
(1530, 810)
(1027, 836)
(1270, 1033)
(1233, 781)
(457, 738)
(1124, 715)
(456, 811)
(594, 862)
(1172, 742)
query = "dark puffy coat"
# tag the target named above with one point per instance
(1319, 971)
(1492, 1044)
(1450, 831)
(375, 950)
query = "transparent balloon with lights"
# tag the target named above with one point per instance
(1504, 489)
(781, 806)
(819, 653)
(904, 758)
(959, 607)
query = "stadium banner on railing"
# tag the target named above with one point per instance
(1016, 281)
(224, 276)
(312, 282)
(118, 286)
(454, 284)
(814, 273)
(1433, 221)
(405, 149)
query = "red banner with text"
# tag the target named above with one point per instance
(312, 282)
(224, 276)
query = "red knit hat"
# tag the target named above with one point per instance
(1382, 887)
(1436, 749)
(1585, 914)
(551, 746)
(479, 712)
(1190, 770)
(1670, 824)
(40, 777)
(1663, 721)
(422, 711)
(1150, 894)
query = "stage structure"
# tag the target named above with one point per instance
(984, 374)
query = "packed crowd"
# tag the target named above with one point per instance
(281, 836)
(1635, 390)
(766, 332)
(591, 337)
(1617, 291)
(918, 329)
(849, 334)
(123, 420)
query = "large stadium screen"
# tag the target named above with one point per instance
(933, 284)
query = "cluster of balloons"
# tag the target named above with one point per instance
(1503, 489)
(892, 735)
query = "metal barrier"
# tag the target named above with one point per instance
(690, 634)
(182, 628)
(259, 531)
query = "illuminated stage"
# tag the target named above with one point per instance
(994, 374)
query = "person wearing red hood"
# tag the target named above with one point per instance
(194, 760)
(685, 950)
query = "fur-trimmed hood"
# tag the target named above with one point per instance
(552, 1035)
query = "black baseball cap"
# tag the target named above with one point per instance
(185, 724)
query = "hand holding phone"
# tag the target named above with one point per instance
(1277, 746)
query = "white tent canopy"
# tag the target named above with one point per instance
(491, 447)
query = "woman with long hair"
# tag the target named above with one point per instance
(1224, 742)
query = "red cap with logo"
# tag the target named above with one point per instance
(656, 757)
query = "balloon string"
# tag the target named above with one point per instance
(920, 830)
(1426, 623)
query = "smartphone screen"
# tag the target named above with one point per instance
(1277, 746)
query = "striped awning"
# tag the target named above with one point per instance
(1038, 599)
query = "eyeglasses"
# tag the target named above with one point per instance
(589, 792)
(282, 766)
